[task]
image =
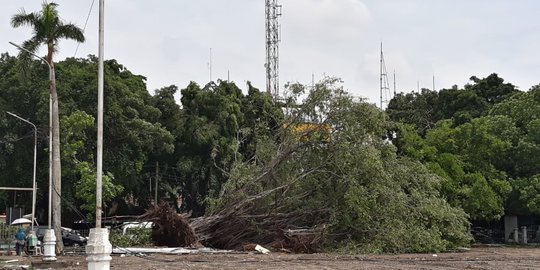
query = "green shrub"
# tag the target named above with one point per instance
(135, 237)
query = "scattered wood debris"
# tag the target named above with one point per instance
(298, 232)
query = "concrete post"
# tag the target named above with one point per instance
(98, 250)
(510, 223)
(516, 235)
(49, 243)
(524, 232)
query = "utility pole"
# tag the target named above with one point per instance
(156, 184)
(34, 172)
(99, 248)
(99, 156)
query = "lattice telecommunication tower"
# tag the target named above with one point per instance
(273, 29)
(386, 95)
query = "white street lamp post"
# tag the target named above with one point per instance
(34, 173)
(35, 55)
(49, 239)
(99, 249)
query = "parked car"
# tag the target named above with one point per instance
(69, 236)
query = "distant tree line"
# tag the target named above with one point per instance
(482, 140)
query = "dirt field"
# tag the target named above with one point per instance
(476, 258)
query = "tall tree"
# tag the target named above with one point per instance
(48, 29)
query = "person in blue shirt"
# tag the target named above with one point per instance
(20, 238)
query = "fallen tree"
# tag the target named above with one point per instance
(349, 191)
(348, 183)
(297, 232)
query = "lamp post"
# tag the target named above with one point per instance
(35, 55)
(49, 239)
(98, 248)
(34, 173)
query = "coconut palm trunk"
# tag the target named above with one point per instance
(56, 163)
(48, 28)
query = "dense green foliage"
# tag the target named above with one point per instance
(219, 125)
(134, 237)
(405, 180)
(194, 145)
(482, 140)
(370, 199)
(131, 129)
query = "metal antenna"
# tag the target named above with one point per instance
(273, 11)
(210, 64)
(384, 86)
(394, 82)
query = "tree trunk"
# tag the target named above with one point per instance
(56, 164)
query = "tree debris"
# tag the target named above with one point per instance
(170, 229)
(280, 231)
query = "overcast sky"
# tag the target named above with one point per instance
(169, 41)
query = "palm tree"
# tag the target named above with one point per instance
(48, 29)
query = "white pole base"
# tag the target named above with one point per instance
(49, 244)
(98, 250)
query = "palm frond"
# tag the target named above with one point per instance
(47, 28)
(70, 31)
(25, 58)
(50, 19)
(24, 19)
(32, 44)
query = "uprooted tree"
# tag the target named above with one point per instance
(329, 178)
(169, 228)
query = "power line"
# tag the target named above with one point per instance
(27, 135)
(85, 24)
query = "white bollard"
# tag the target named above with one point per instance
(98, 250)
(49, 244)
(524, 230)
(516, 235)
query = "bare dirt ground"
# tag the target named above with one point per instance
(477, 258)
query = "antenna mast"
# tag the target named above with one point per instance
(385, 85)
(273, 29)
(209, 66)
(394, 82)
